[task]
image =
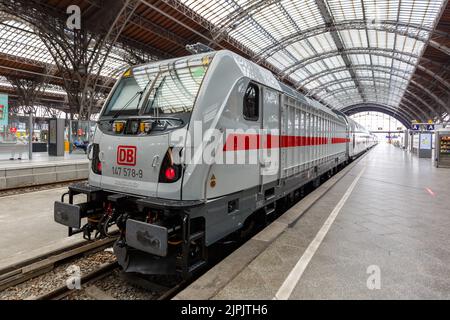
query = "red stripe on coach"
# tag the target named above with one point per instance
(242, 141)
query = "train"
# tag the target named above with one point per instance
(192, 150)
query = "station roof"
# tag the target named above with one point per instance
(348, 54)
(344, 52)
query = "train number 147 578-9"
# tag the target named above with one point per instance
(128, 172)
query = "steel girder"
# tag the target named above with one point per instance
(323, 86)
(233, 19)
(108, 42)
(421, 33)
(393, 54)
(212, 29)
(383, 90)
(43, 74)
(379, 68)
(351, 110)
(260, 28)
(441, 102)
(406, 107)
(329, 20)
(76, 53)
(388, 53)
(76, 64)
(143, 23)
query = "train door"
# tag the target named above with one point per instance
(270, 152)
(347, 135)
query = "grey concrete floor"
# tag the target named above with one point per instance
(27, 228)
(41, 159)
(396, 221)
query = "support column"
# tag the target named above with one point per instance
(30, 137)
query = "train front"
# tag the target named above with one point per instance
(135, 181)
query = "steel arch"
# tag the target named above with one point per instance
(353, 109)
(377, 79)
(376, 67)
(432, 111)
(405, 109)
(414, 108)
(393, 54)
(421, 34)
(320, 88)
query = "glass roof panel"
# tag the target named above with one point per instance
(378, 46)
(345, 10)
(19, 40)
(312, 85)
(361, 59)
(305, 13)
(48, 89)
(336, 75)
(323, 42)
(353, 38)
(302, 49)
(364, 73)
(323, 65)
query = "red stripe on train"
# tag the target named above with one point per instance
(238, 142)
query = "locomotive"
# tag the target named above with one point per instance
(188, 151)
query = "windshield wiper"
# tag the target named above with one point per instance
(142, 93)
(155, 113)
(138, 93)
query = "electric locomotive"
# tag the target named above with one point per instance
(190, 150)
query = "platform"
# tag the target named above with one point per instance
(377, 230)
(42, 169)
(27, 227)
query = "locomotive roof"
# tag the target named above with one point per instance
(269, 79)
(263, 75)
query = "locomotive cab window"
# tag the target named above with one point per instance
(251, 103)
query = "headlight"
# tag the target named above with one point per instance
(119, 126)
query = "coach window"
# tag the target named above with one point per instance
(251, 103)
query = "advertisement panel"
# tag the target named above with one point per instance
(425, 141)
(3, 110)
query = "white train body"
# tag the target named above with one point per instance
(187, 142)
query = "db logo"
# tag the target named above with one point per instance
(126, 155)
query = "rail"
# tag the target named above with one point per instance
(26, 270)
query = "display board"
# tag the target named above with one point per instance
(56, 137)
(425, 141)
(3, 110)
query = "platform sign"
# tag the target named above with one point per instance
(415, 127)
(430, 127)
(3, 110)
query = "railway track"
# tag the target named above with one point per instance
(89, 287)
(20, 273)
(63, 291)
(41, 187)
(26, 270)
